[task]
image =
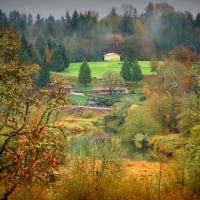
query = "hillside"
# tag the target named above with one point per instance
(99, 68)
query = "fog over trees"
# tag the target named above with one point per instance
(83, 35)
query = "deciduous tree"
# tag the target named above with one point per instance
(30, 140)
(183, 55)
(165, 109)
(170, 77)
(190, 110)
(111, 80)
(139, 123)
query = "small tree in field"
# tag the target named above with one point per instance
(126, 70)
(136, 73)
(85, 73)
(31, 145)
(111, 80)
(140, 125)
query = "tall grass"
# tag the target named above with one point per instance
(85, 182)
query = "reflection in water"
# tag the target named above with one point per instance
(109, 146)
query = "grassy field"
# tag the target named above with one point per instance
(99, 68)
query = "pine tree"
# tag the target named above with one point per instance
(74, 20)
(125, 70)
(126, 25)
(24, 54)
(84, 73)
(44, 77)
(136, 73)
(40, 46)
(59, 60)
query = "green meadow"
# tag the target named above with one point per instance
(99, 68)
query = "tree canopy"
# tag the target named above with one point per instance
(111, 80)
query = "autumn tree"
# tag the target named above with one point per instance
(170, 75)
(189, 121)
(146, 90)
(113, 42)
(9, 45)
(84, 76)
(170, 81)
(190, 110)
(165, 109)
(120, 109)
(112, 80)
(183, 55)
(31, 144)
(140, 125)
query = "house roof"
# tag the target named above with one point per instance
(109, 54)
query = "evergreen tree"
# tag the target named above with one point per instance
(44, 77)
(79, 53)
(33, 53)
(125, 70)
(59, 60)
(3, 18)
(129, 50)
(126, 25)
(67, 24)
(30, 19)
(84, 73)
(24, 54)
(74, 20)
(50, 30)
(17, 21)
(197, 20)
(113, 11)
(136, 73)
(51, 44)
(38, 21)
(40, 46)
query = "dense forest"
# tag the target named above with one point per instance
(83, 35)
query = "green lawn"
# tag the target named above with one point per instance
(99, 68)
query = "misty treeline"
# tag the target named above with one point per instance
(84, 35)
